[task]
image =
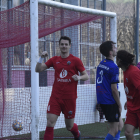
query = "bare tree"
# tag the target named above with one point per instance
(125, 23)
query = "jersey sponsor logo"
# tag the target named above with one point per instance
(103, 66)
(126, 80)
(49, 108)
(57, 62)
(63, 73)
(63, 80)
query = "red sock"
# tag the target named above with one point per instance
(75, 131)
(48, 133)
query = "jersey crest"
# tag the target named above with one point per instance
(68, 62)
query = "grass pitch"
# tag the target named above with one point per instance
(93, 131)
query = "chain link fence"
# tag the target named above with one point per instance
(126, 18)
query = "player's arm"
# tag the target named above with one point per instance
(41, 66)
(84, 76)
(116, 95)
(83, 73)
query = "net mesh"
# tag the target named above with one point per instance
(86, 33)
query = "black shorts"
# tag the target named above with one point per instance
(111, 112)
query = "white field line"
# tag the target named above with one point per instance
(124, 136)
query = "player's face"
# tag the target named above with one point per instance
(64, 46)
(114, 50)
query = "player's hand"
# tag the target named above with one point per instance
(125, 106)
(76, 77)
(44, 54)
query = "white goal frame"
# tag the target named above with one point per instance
(34, 50)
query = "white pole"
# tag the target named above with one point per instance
(77, 8)
(34, 75)
(113, 30)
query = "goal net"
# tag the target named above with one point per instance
(86, 28)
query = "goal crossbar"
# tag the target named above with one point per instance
(77, 8)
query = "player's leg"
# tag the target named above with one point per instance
(120, 126)
(131, 122)
(71, 126)
(51, 121)
(68, 110)
(129, 131)
(112, 115)
(113, 129)
(53, 111)
(69, 123)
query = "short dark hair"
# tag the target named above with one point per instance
(105, 47)
(65, 38)
(125, 57)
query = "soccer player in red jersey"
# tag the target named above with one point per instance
(132, 89)
(64, 92)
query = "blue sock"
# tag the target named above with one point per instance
(109, 137)
(117, 137)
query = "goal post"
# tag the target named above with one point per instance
(37, 26)
(34, 50)
(34, 75)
